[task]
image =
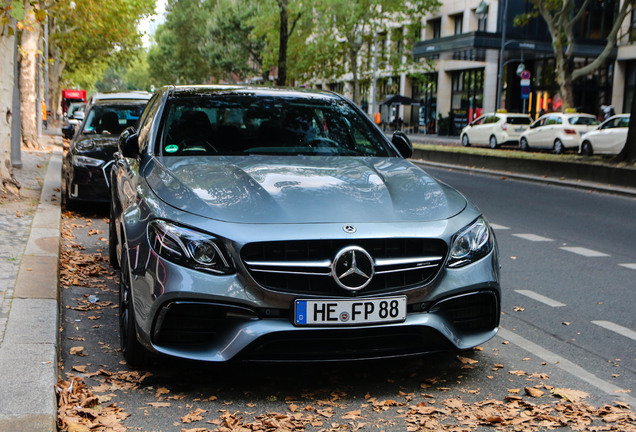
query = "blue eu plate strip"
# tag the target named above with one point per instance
(301, 312)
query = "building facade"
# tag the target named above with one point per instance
(484, 62)
(470, 58)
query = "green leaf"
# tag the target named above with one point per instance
(17, 11)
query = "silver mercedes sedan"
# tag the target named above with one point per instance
(282, 225)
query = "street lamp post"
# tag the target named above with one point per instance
(501, 52)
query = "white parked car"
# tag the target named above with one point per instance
(495, 129)
(557, 131)
(608, 138)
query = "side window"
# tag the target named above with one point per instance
(552, 120)
(145, 120)
(611, 124)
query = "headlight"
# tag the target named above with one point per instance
(471, 244)
(188, 247)
(85, 161)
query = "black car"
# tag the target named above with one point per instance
(86, 164)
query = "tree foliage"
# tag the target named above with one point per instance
(562, 17)
(233, 51)
(346, 26)
(88, 36)
(179, 53)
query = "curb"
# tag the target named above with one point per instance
(29, 352)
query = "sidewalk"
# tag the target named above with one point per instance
(29, 310)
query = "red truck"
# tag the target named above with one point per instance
(69, 96)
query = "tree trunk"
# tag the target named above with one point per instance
(55, 86)
(282, 46)
(28, 67)
(8, 183)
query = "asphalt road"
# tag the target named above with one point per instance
(567, 323)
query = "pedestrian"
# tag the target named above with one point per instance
(44, 115)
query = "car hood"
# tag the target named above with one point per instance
(301, 189)
(97, 146)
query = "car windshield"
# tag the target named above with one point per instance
(583, 120)
(247, 124)
(111, 119)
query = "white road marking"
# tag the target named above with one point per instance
(584, 251)
(623, 331)
(533, 237)
(540, 298)
(499, 227)
(631, 266)
(567, 366)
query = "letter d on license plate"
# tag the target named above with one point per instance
(350, 312)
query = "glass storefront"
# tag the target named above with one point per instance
(425, 91)
(467, 101)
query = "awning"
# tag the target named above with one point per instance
(399, 99)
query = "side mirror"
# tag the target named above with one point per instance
(129, 143)
(68, 131)
(403, 144)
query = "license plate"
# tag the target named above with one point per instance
(520, 129)
(350, 312)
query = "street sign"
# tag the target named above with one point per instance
(525, 75)
(525, 82)
(525, 92)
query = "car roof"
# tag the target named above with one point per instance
(114, 102)
(282, 92)
(130, 95)
(578, 115)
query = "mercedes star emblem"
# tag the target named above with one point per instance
(349, 229)
(352, 268)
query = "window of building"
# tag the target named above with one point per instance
(382, 49)
(467, 98)
(434, 28)
(598, 19)
(425, 91)
(458, 21)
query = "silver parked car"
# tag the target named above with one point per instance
(271, 224)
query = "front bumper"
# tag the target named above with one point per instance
(217, 332)
(89, 183)
(189, 314)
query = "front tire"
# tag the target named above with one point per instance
(465, 141)
(523, 144)
(134, 353)
(586, 148)
(559, 148)
(493, 142)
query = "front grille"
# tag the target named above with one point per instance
(304, 266)
(473, 312)
(346, 344)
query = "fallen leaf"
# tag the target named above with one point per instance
(78, 351)
(531, 391)
(193, 416)
(159, 404)
(569, 394)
